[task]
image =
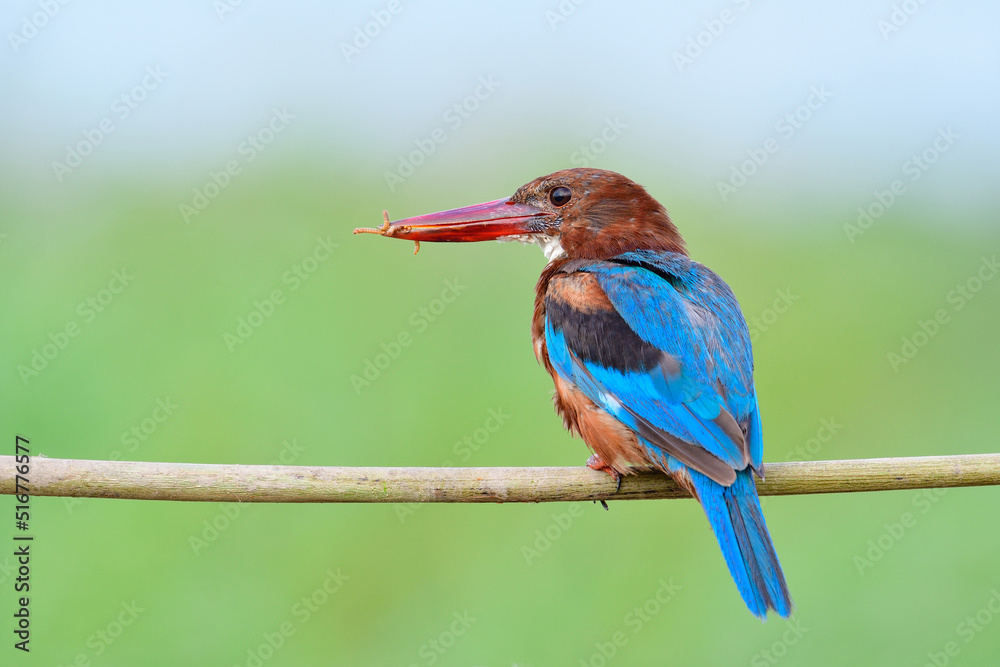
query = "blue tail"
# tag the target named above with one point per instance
(738, 523)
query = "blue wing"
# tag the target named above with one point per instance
(659, 342)
(664, 348)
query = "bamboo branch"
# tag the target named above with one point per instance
(308, 484)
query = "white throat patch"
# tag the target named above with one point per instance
(550, 245)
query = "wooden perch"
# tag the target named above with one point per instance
(314, 484)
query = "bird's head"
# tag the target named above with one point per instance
(573, 213)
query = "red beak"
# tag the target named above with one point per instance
(480, 222)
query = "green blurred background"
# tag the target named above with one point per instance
(886, 578)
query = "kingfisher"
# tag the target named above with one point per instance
(648, 350)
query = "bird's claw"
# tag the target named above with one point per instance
(595, 462)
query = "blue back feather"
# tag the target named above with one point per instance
(690, 315)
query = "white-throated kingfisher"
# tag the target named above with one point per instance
(648, 350)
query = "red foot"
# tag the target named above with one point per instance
(595, 462)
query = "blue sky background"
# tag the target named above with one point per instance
(563, 69)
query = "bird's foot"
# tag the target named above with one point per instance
(595, 462)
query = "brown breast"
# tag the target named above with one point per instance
(607, 437)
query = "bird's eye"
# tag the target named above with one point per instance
(560, 196)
